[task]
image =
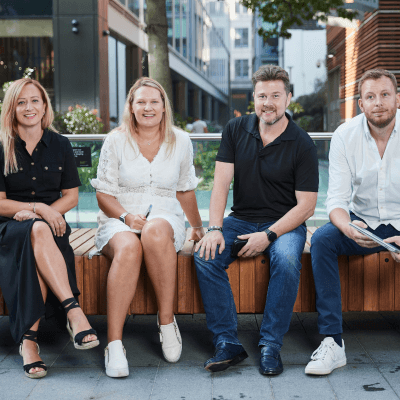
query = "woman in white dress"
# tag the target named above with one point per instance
(146, 161)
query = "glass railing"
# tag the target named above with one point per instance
(205, 148)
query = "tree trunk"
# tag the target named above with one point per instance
(157, 30)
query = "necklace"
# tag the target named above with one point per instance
(149, 142)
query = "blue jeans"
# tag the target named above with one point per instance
(285, 265)
(327, 243)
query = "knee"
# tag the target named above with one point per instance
(40, 231)
(127, 251)
(323, 237)
(156, 232)
(286, 260)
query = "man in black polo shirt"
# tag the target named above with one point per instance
(275, 167)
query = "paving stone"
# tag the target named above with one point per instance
(391, 372)
(293, 384)
(182, 383)
(296, 348)
(365, 320)
(137, 386)
(360, 382)
(66, 384)
(14, 385)
(244, 383)
(7, 343)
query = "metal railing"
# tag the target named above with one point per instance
(193, 136)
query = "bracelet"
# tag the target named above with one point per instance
(215, 228)
(196, 227)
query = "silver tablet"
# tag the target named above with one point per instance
(390, 246)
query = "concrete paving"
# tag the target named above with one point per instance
(372, 346)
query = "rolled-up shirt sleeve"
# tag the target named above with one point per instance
(187, 177)
(340, 186)
(108, 169)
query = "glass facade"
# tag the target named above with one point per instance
(26, 8)
(117, 80)
(241, 69)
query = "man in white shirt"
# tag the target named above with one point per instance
(199, 126)
(364, 187)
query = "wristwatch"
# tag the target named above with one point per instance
(271, 235)
(123, 216)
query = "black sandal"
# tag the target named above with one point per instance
(32, 335)
(68, 305)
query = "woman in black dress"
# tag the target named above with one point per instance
(38, 185)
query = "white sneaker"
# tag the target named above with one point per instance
(115, 360)
(171, 341)
(326, 358)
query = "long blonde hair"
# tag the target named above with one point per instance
(129, 123)
(8, 121)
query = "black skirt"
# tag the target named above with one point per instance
(18, 277)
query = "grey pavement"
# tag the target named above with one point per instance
(372, 346)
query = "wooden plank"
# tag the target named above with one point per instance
(356, 283)
(151, 302)
(185, 283)
(307, 285)
(76, 234)
(371, 282)
(386, 281)
(91, 285)
(261, 282)
(139, 301)
(79, 280)
(247, 285)
(234, 278)
(85, 243)
(104, 268)
(310, 231)
(343, 262)
(198, 307)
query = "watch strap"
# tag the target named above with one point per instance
(272, 236)
(123, 216)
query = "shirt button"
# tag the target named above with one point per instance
(46, 168)
(36, 149)
(21, 169)
(34, 178)
(32, 163)
(33, 193)
(60, 168)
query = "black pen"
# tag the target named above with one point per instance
(149, 210)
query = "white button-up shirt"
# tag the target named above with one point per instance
(359, 179)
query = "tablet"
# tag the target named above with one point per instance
(390, 246)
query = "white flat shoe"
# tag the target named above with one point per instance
(115, 360)
(171, 341)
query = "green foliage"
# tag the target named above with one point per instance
(305, 122)
(180, 122)
(286, 13)
(205, 161)
(78, 120)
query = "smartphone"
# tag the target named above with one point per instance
(393, 247)
(237, 245)
(149, 210)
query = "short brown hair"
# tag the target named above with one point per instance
(377, 74)
(271, 72)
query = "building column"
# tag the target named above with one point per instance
(216, 110)
(207, 114)
(197, 103)
(182, 101)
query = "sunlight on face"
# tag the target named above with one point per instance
(148, 106)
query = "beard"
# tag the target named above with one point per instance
(379, 123)
(274, 121)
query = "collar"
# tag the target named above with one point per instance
(251, 126)
(45, 139)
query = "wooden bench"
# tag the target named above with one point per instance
(367, 282)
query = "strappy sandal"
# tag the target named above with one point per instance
(68, 305)
(32, 335)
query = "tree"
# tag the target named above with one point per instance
(286, 13)
(157, 31)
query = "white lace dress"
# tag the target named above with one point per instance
(136, 183)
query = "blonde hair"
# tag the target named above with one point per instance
(129, 122)
(8, 121)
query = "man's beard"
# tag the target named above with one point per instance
(274, 121)
(382, 123)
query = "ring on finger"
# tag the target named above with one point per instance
(60, 223)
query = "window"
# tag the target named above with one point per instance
(242, 37)
(133, 6)
(239, 9)
(241, 68)
(217, 68)
(216, 37)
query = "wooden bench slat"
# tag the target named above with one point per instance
(371, 282)
(261, 282)
(91, 275)
(84, 243)
(76, 234)
(307, 284)
(386, 282)
(356, 283)
(247, 285)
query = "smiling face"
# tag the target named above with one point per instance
(148, 107)
(379, 101)
(30, 107)
(270, 101)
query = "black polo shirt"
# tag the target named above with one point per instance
(42, 175)
(266, 178)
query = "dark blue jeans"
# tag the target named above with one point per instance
(285, 265)
(327, 243)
